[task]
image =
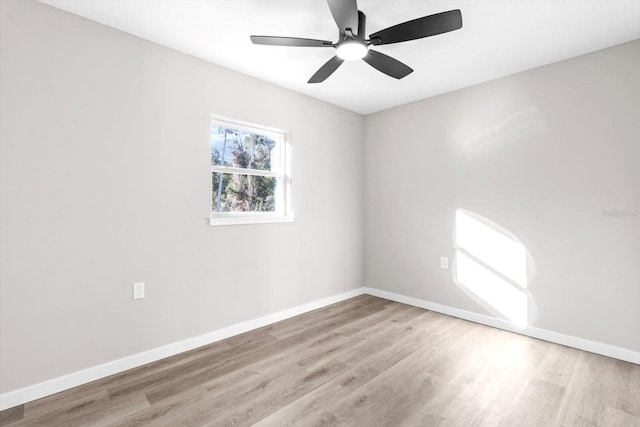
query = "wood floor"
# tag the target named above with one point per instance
(362, 362)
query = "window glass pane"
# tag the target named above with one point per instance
(241, 149)
(244, 193)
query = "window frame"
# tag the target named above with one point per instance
(283, 139)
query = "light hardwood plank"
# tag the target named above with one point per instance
(361, 362)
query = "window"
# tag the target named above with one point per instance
(250, 173)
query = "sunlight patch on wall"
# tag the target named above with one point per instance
(492, 266)
(493, 289)
(492, 247)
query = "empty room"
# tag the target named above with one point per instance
(319, 213)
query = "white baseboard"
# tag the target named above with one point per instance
(543, 334)
(56, 385)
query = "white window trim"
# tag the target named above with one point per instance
(236, 218)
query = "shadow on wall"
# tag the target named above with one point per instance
(491, 267)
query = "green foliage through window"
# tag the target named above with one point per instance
(243, 192)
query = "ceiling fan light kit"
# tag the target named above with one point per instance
(352, 44)
(352, 50)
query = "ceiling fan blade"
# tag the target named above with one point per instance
(345, 13)
(326, 70)
(386, 64)
(290, 41)
(418, 28)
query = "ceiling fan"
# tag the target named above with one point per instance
(353, 45)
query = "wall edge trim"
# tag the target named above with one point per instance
(602, 349)
(74, 379)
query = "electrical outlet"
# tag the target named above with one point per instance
(138, 290)
(444, 262)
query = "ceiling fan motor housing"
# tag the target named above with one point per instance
(352, 46)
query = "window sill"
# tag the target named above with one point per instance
(236, 220)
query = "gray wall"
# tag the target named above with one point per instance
(540, 154)
(105, 181)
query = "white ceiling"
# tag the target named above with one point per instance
(498, 38)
